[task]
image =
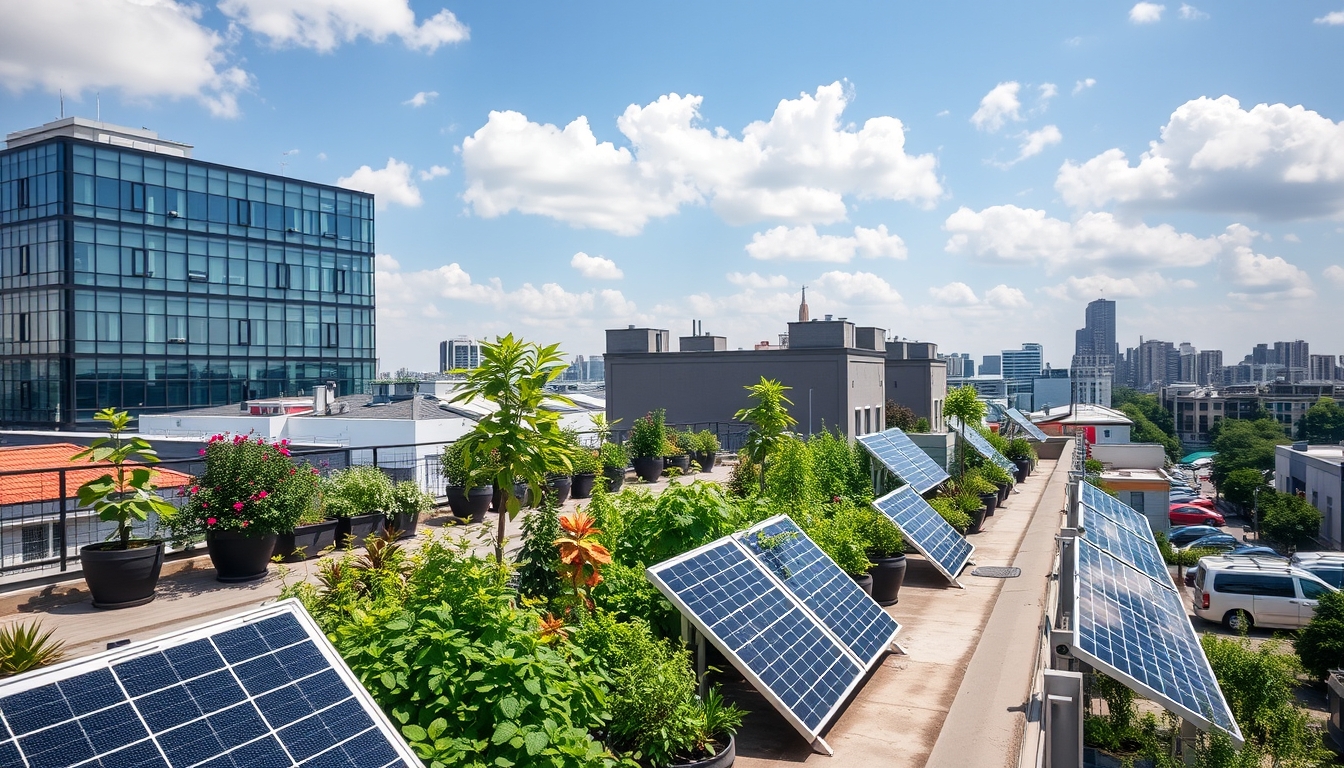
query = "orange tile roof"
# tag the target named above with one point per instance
(46, 486)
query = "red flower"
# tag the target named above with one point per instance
(202, 451)
(262, 494)
(195, 489)
(210, 521)
(244, 523)
(238, 506)
(285, 452)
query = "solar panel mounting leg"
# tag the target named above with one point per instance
(820, 746)
(896, 648)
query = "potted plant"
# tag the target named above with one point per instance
(614, 461)
(468, 500)
(585, 464)
(315, 532)
(1020, 453)
(840, 537)
(706, 449)
(976, 483)
(248, 494)
(713, 730)
(408, 503)
(648, 436)
(1000, 478)
(674, 453)
(968, 501)
(124, 571)
(950, 511)
(886, 551)
(359, 498)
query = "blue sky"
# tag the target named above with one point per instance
(966, 173)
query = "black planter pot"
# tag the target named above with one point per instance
(1023, 469)
(582, 485)
(706, 460)
(648, 467)
(305, 541)
(1003, 493)
(721, 760)
(403, 524)
(523, 492)
(615, 478)
(559, 487)
(888, 573)
(352, 531)
(122, 578)
(682, 462)
(470, 505)
(977, 520)
(990, 500)
(865, 583)
(238, 557)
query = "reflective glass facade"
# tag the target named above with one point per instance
(154, 283)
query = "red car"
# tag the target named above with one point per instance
(1200, 501)
(1185, 514)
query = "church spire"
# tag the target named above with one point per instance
(802, 307)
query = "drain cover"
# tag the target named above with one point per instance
(997, 572)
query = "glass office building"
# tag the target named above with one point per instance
(135, 277)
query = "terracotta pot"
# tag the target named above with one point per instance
(122, 578)
(888, 573)
(582, 485)
(305, 541)
(238, 557)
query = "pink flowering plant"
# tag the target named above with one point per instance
(250, 486)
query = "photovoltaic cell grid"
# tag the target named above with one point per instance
(260, 694)
(1130, 626)
(982, 446)
(899, 454)
(1137, 549)
(1124, 515)
(762, 628)
(927, 530)
(845, 609)
(1020, 419)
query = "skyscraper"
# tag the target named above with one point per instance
(1210, 368)
(462, 352)
(1097, 336)
(1021, 367)
(135, 277)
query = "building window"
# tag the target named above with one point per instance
(332, 335)
(25, 331)
(25, 264)
(25, 395)
(340, 281)
(244, 333)
(1105, 433)
(36, 542)
(867, 420)
(1136, 500)
(139, 263)
(858, 422)
(1203, 406)
(241, 211)
(21, 193)
(137, 200)
(1315, 501)
(280, 276)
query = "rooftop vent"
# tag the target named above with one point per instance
(1300, 445)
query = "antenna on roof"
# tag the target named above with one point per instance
(61, 94)
(98, 106)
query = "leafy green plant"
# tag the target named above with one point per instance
(625, 592)
(1320, 644)
(1288, 519)
(25, 646)
(1019, 449)
(900, 416)
(974, 481)
(789, 479)
(950, 511)
(613, 457)
(125, 494)
(838, 468)
(995, 474)
(357, 490)
(538, 559)
(1258, 682)
(841, 537)
(769, 419)
(882, 537)
(745, 477)
(454, 464)
(708, 441)
(1241, 486)
(921, 426)
(675, 443)
(249, 486)
(965, 404)
(408, 499)
(584, 461)
(681, 518)
(648, 435)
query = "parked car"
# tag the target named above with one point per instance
(1246, 550)
(1222, 542)
(1184, 514)
(1182, 535)
(1245, 592)
(1195, 501)
(1326, 566)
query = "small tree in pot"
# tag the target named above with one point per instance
(886, 550)
(769, 419)
(469, 500)
(648, 440)
(122, 572)
(965, 404)
(614, 461)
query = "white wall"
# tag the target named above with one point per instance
(1130, 455)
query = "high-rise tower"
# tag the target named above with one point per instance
(802, 308)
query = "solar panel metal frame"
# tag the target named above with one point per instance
(78, 667)
(1116, 510)
(982, 446)
(911, 534)
(923, 473)
(653, 574)
(857, 592)
(1132, 682)
(1020, 419)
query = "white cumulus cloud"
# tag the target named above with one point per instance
(757, 281)
(804, 244)
(434, 172)
(1083, 85)
(954, 294)
(1334, 273)
(998, 107)
(1257, 276)
(1191, 13)
(1035, 142)
(1048, 91)
(958, 294)
(145, 49)
(1146, 13)
(1332, 19)
(857, 288)
(1273, 161)
(421, 98)
(596, 267)
(1132, 286)
(797, 167)
(325, 24)
(389, 184)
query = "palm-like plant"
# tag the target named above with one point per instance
(581, 556)
(769, 420)
(965, 404)
(525, 439)
(26, 646)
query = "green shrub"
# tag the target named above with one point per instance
(996, 474)
(613, 457)
(356, 490)
(1018, 449)
(975, 482)
(882, 536)
(745, 478)
(838, 469)
(952, 512)
(248, 486)
(1288, 519)
(648, 434)
(681, 518)
(789, 478)
(1259, 683)
(584, 461)
(708, 441)
(626, 593)
(408, 499)
(841, 537)
(1320, 644)
(539, 559)
(452, 462)
(921, 426)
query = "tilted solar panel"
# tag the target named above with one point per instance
(843, 608)
(769, 636)
(926, 530)
(1115, 509)
(1020, 419)
(899, 454)
(1136, 630)
(261, 689)
(1138, 549)
(982, 446)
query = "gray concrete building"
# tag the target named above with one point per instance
(1317, 472)
(917, 379)
(836, 372)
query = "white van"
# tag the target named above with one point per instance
(1245, 592)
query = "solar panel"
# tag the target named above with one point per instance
(908, 461)
(1136, 630)
(1123, 514)
(843, 608)
(1137, 549)
(770, 637)
(927, 530)
(982, 446)
(1020, 419)
(261, 689)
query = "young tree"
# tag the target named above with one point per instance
(769, 419)
(965, 404)
(521, 439)
(125, 494)
(1243, 444)
(900, 416)
(1288, 519)
(1322, 423)
(1239, 487)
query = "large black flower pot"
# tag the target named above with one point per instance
(1003, 493)
(1023, 469)
(648, 467)
(122, 578)
(403, 524)
(724, 759)
(523, 492)
(559, 488)
(305, 541)
(352, 531)
(977, 520)
(888, 573)
(582, 486)
(472, 504)
(682, 462)
(865, 583)
(239, 557)
(615, 478)
(990, 500)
